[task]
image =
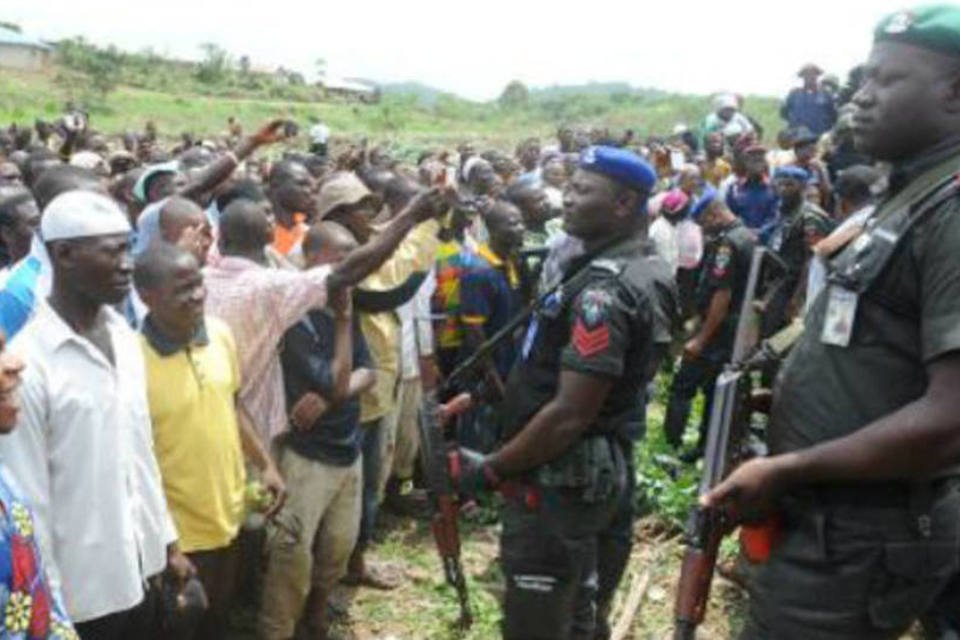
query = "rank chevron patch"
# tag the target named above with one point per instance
(588, 342)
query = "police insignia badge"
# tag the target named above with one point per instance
(900, 22)
(721, 261)
(591, 334)
(593, 307)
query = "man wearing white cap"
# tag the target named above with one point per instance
(726, 117)
(83, 451)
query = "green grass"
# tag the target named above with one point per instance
(398, 119)
(425, 608)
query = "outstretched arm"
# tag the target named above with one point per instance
(363, 261)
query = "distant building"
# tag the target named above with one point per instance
(18, 51)
(350, 88)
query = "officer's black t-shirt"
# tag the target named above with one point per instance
(800, 229)
(608, 327)
(909, 318)
(306, 358)
(726, 265)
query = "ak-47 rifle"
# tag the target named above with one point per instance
(434, 452)
(726, 444)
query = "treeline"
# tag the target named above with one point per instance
(216, 74)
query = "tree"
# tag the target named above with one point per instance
(515, 95)
(215, 66)
(11, 26)
(101, 66)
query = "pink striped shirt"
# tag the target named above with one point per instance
(259, 304)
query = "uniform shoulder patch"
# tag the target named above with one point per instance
(591, 333)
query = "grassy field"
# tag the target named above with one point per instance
(399, 119)
(424, 608)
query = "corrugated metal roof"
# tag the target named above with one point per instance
(346, 84)
(9, 36)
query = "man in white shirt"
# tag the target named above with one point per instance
(663, 230)
(319, 135)
(83, 450)
(416, 359)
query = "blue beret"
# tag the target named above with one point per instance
(620, 165)
(796, 173)
(706, 198)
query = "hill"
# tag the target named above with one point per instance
(425, 94)
(123, 90)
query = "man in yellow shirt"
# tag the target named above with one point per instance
(199, 436)
(346, 200)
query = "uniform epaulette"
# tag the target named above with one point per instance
(605, 264)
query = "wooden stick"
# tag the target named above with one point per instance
(638, 588)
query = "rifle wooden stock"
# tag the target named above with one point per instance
(728, 429)
(444, 525)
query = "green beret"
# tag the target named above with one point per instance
(935, 27)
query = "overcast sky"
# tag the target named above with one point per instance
(475, 48)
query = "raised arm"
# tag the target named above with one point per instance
(221, 168)
(365, 260)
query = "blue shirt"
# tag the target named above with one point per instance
(31, 609)
(306, 357)
(814, 110)
(756, 203)
(19, 295)
(489, 297)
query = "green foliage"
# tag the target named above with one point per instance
(101, 66)
(215, 65)
(666, 486)
(514, 96)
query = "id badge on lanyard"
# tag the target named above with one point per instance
(840, 317)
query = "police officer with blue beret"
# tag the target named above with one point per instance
(801, 224)
(864, 432)
(571, 402)
(721, 287)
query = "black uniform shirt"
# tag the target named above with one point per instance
(726, 265)
(607, 327)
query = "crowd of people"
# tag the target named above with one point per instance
(213, 363)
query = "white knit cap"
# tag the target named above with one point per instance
(82, 214)
(725, 101)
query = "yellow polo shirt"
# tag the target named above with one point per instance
(196, 438)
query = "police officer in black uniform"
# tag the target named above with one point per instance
(802, 225)
(719, 296)
(569, 404)
(864, 432)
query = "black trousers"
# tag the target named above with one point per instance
(218, 571)
(142, 621)
(856, 565)
(693, 376)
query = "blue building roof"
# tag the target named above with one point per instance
(9, 36)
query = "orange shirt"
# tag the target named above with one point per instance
(285, 240)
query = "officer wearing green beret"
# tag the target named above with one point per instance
(864, 434)
(572, 400)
